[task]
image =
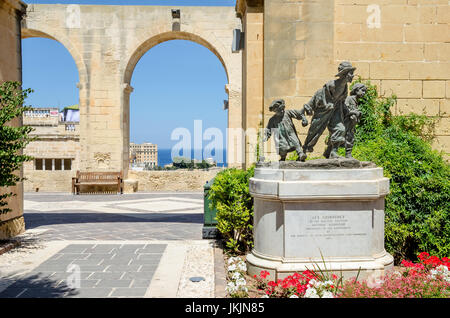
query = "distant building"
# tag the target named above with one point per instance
(142, 155)
(56, 149)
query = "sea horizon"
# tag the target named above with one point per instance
(165, 156)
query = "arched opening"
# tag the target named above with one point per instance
(178, 102)
(50, 69)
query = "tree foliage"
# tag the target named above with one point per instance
(12, 138)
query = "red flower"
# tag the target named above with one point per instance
(264, 274)
(423, 256)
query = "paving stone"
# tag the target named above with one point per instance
(92, 293)
(70, 256)
(129, 292)
(123, 268)
(138, 275)
(153, 248)
(90, 262)
(99, 257)
(62, 267)
(107, 276)
(114, 283)
(148, 268)
(141, 283)
(102, 249)
(119, 261)
(131, 247)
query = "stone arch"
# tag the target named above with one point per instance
(76, 56)
(144, 47)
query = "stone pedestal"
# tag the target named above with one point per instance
(319, 213)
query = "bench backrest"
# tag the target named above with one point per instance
(98, 176)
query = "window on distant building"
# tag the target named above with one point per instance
(58, 164)
(48, 164)
(52, 164)
(67, 164)
(38, 165)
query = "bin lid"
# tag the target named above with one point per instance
(208, 184)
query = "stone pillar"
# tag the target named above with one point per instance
(11, 12)
(236, 135)
(251, 14)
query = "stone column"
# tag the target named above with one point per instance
(251, 14)
(11, 12)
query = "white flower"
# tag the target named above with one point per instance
(232, 260)
(265, 296)
(232, 267)
(241, 282)
(231, 288)
(442, 271)
(243, 288)
(236, 275)
(293, 296)
(241, 266)
(312, 283)
(311, 293)
(327, 294)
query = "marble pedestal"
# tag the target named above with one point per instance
(326, 213)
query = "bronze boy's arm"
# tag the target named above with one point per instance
(268, 131)
(300, 115)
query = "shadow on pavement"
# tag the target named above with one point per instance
(36, 286)
(37, 219)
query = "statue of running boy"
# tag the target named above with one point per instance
(287, 139)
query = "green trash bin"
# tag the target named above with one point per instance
(209, 215)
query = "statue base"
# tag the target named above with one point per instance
(326, 214)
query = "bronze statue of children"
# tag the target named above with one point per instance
(286, 139)
(326, 107)
(351, 115)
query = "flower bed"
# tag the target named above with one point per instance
(429, 278)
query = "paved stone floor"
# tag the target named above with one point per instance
(116, 217)
(134, 245)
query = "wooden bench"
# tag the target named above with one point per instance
(97, 179)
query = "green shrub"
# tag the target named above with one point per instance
(417, 208)
(12, 139)
(229, 195)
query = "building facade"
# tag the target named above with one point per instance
(142, 155)
(56, 151)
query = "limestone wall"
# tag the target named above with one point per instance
(176, 180)
(407, 53)
(403, 46)
(48, 181)
(11, 11)
(56, 180)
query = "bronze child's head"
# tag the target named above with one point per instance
(278, 106)
(346, 70)
(358, 90)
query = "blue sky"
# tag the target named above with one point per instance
(175, 82)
